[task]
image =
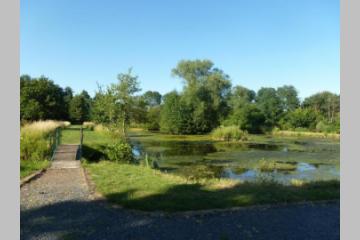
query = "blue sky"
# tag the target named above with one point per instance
(257, 42)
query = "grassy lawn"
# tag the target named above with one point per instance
(29, 167)
(146, 189)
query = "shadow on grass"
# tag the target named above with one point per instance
(184, 197)
(96, 220)
(93, 153)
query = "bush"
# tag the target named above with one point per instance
(230, 133)
(303, 118)
(119, 152)
(324, 127)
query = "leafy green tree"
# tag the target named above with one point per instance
(139, 111)
(115, 106)
(104, 108)
(68, 95)
(79, 109)
(303, 118)
(249, 118)
(289, 98)
(205, 93)
(270, 104)
(174, 116)
(241, 96)
(40, 98)
(326, 103)
(152, 98)
(153, 118)
(127, 86)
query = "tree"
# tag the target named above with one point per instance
(79, 109)
(105, 109)
(204, 94)
(116, 105)
(303, 118)
(153, 118)
(326, 103)
(249, 118)
(289, 98)
(40, 98)
(152, 98)
(241, 96)
(139, 110)
(270, 104)
(124, 93)
(68, 95)
(174, 116)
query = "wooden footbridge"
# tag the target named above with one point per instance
(66, 155)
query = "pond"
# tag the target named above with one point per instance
(282, 159)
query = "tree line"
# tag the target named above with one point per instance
(208, 100)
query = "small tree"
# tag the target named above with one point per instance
(79, 109)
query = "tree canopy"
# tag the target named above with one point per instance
(206, 101)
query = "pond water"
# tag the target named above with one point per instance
(305, 159)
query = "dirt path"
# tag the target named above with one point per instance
(58, 205)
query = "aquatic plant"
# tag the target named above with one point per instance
(229, 133)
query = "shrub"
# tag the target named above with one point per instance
(230, 133)
(322, 126)
(119, 152)
(303, 118)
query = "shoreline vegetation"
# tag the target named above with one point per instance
(288, 133)
(142, 188)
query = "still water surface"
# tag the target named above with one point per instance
(312, 159)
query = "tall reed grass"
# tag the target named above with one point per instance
(284, 133)
(229, 133)
(35, 144)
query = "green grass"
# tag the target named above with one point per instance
(138, 187)
(29, 167)
(71, 135)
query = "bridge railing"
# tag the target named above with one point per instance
(54, 141)
(81, 141)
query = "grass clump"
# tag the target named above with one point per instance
(271, 165)
(229, 133)
(142, 188)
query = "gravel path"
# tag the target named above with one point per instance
(58, 206)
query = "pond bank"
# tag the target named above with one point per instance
(141, 188)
